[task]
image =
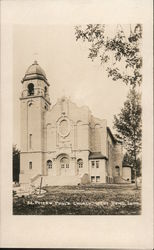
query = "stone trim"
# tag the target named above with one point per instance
(33, 77)
(30, 97)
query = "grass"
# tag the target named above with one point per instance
(81, 200)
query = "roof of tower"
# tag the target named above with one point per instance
(34, 71)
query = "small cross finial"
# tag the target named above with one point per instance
(35, 57)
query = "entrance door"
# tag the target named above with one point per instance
(64, 164)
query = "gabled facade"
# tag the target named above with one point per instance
(64, 143)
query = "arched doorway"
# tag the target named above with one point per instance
(79, 166)
(64, 164)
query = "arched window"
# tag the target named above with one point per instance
(80, 163)
(45, 90)
(64, 162)
(30, 165)
(30, 141)
(49, 164)
(30, 89)
(117, 170)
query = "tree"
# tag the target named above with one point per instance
(121, 53)
(129, 126)
(16, 164)
(128, 160)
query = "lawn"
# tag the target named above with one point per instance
(108, 199)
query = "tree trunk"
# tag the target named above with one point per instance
(136, 186)
(40, 185)
(135, 170)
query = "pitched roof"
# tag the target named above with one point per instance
(96, 155)
(114, 139)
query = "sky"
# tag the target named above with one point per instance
(68, 69)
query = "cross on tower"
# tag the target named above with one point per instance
(35, 56)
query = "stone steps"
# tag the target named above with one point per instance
(61, 180)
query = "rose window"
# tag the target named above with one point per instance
(64, 127)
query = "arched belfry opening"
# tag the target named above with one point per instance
(45, 90)
(35, 83)
(30, 89)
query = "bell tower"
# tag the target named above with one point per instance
(34, 103)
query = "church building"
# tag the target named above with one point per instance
(63, 144)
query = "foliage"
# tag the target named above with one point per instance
(129, 125)
(16, 163)
(83, 200)
(138, 167)
(124, 49)
(128, 160)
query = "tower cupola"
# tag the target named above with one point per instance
(34, 71)
(35, 83)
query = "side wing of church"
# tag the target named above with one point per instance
(65, 144)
